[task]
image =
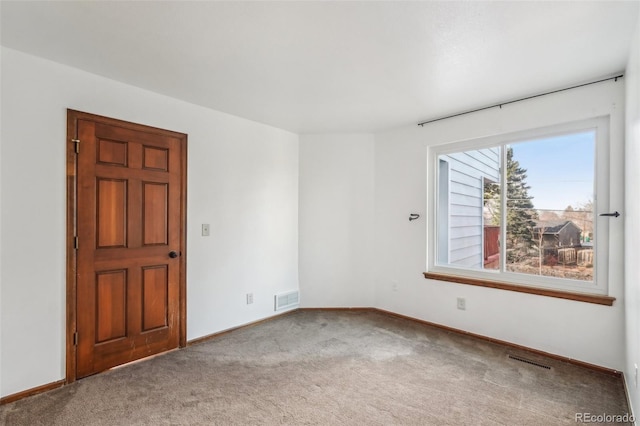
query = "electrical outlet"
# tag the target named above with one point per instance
(394, 285)
(249, 298)
(205, 229)
(462, 303)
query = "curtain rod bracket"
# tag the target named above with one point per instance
(614, 214)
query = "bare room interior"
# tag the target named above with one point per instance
(363, 212)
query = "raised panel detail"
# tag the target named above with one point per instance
(111, 305)
(111, 213)
(112, 152)
(155, 158)
(155, 216)
(155, 297)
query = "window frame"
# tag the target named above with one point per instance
(512, 280)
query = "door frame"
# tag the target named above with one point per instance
(72, 210)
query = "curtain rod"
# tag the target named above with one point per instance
(521, 99)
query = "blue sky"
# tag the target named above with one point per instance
(560, 169)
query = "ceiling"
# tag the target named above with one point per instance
(317, 67)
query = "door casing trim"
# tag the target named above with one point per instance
(71, 264)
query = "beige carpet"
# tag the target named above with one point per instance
(330, 368)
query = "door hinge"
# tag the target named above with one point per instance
(77, 143)
(75, 243)
(75, 339)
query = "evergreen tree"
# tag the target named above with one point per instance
(521, 215)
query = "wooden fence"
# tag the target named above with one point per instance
(491, 241)
(567, 256)
(585, 257)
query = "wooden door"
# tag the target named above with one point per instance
(129, 241)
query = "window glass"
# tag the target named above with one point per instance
(523, 207)
(465, 222)
(550, 192)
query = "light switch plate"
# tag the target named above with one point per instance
(205, 229)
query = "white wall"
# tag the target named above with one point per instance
(242, 179)
(336, 220)
(632, 222)
(583, 331)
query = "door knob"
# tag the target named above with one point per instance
(173, 254)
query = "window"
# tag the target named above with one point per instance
(521, 208)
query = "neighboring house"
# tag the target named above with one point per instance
(462, 177)
(557, 234)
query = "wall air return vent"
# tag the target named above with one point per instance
(287, 300)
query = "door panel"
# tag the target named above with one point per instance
(111, 305)
(155, 159)
(111, 216)
(112, 152)
(130, 215)
(155, 299)
(155, 203)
